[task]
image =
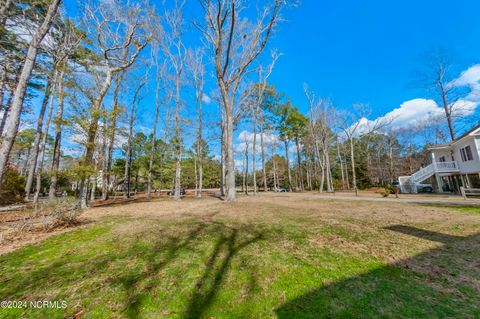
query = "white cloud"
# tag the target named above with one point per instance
(412, 112)
(246, 137)
(469, 77)
(239, 164)
(73, 152)
(409, 114)
(206, 99)
(144, 129)
(417, 111)
(268, 137)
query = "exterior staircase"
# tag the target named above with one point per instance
(408, 184)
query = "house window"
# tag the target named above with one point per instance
(442, 159)
(466, 154)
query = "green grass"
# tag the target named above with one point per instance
(217, 267)
(467, 209)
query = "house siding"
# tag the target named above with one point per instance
(477, 145)
(444, 152)
(468, 167)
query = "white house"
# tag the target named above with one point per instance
(452, 165)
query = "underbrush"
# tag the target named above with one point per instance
(60, 213)
(47, 217)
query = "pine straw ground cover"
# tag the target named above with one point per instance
(275, 255)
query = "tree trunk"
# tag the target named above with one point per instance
(354, 175)
(3, 12)
(288, 166)
(262, 146)
(254, 153)
(128, 163)
(200, 145)
(299, 163)
(275, 178)
(3, 82)
(229, 159)
(243, 176)
(58, 136)
(51, 82)
(8, 106)
(178, 146)
(245, 169)
(111, 142)
(128, 155)
(154, 137)
(222, 156)
(195, 174)
(43, 146)
(328, 169)
(322, 177)
(94, 185)
(91, 135)
(103, 155)
(346, 166)
(341, 164)
(448, 113)
(274, 167)
(19, 95)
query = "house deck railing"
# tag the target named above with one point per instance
(435, 167)
(408, 183)
(445, 167)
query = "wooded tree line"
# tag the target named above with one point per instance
(127, 85)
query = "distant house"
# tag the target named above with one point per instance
(452, 165)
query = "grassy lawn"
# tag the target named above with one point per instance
(264, 256)
(467, 209)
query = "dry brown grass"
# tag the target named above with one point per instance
(370, 219)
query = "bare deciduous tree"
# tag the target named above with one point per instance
(116, 28)
(258, 92)
(235, 44)
(176, 53)
(319, 129)
(128, 153)
(159, 77)
(436, 75)
(355, 125)
(70, 39)
(197, 69)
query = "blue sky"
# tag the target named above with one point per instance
(355, 51)
(365, 51)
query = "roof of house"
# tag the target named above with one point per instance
(474, 131)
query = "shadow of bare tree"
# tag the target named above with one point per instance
(226, 247)
(441, 282)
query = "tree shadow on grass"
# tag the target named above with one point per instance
(227, 245)
(441, 282)
(157, 258)
(230, 241)
(137, 280)
(61, 271)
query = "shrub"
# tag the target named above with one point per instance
(387, 190)
(12, 188)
